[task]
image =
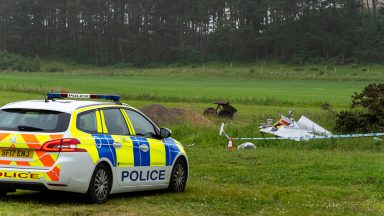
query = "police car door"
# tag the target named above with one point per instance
(149, 153)
(117, 135)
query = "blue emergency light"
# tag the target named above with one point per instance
(52, 96)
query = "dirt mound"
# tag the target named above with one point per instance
(161, 115)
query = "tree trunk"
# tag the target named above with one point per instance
(368, 8)
(374, 8)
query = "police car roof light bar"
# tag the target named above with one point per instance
(52, 96)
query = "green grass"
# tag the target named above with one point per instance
(185, 89)
(266, 181)
(324, 177)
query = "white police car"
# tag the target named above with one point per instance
(90, 147)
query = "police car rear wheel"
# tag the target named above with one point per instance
(100, 186)
(179, 176)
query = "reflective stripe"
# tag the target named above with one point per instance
(31, 141)
(105, 129)
(105, 148)
(136, 153)
(87, 140)
(172, 149)
(98, 122)
(3, 136)
(158, 153)
(54, 174)
(167, 155)
(5, 162)
(23, 163)
(125, 156)
(144, 157)
(40, 158)
(129, 123)
(56, 136)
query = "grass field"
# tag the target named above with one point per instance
(185, 89)
(327, 177)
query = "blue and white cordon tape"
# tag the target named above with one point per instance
(301, 138)
(312, 137)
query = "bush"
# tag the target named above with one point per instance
(370, 114)
(326, 106)
(15, 62)
(350, 122)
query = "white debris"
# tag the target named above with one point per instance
(247, 145)
(287, 127)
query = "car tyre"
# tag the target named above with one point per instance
(100, 185)
(179, 176)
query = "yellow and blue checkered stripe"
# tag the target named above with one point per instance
(141, 158)
(105, 149)
(171, 150)
(101, 145)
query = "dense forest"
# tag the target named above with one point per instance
(106, 32)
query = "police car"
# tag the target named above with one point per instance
(90, 147)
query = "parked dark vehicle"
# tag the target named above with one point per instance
(223, 109)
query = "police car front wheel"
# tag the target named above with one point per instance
(179, 176)
(100, 185)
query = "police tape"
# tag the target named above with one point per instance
(312, 137)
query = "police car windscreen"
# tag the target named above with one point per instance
(33, 120)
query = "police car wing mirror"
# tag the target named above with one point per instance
(165, 132)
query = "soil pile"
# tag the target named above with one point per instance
(161, 115)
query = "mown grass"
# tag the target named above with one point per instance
(265, 181)
(185, 89)
(324, 177)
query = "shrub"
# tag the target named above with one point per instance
(350, 122)
(16, 62)
(369, 116)
(326, 106)
(370, 98)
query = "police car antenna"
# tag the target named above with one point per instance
(42, 91)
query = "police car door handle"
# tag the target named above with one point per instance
(144, 148)
(117, 145)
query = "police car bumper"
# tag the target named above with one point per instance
(73, 174)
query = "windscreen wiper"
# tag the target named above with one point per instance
(28, 128)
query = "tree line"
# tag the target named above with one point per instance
(104, 32)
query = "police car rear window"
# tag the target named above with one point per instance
(33, 120)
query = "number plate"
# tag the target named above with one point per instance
(16, 153)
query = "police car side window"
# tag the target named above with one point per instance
(115, 122)
(142, 126)
(87, 122)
